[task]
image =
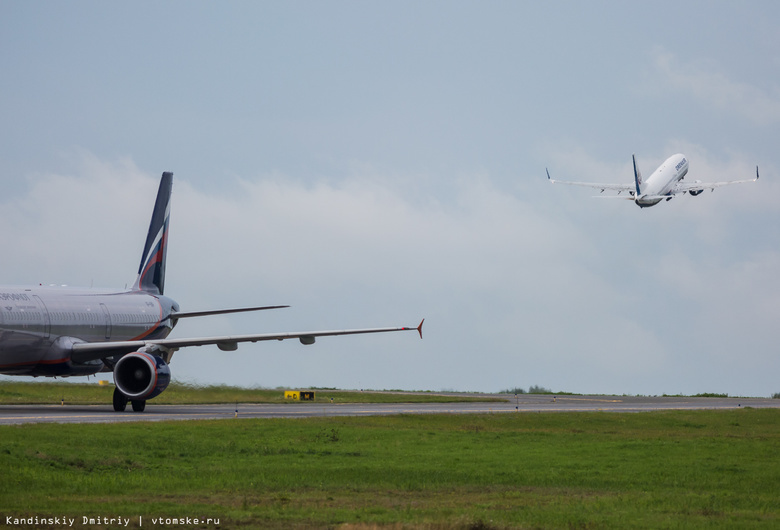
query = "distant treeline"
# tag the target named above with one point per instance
(534, 389)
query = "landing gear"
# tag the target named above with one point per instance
(120, 401)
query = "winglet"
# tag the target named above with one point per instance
(756, 172)
(548, 174)
(419, 328)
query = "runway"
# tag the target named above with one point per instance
(19, 414)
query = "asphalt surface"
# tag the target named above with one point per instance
(17, 414)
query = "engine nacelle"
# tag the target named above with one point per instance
(307, 339)
(141, 375)
(695, 192)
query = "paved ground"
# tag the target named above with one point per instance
(15, 414)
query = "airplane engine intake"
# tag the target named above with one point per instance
(141, 375)
(695, 192)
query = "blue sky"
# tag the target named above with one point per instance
(373, 163)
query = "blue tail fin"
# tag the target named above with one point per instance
(637, 178)
(151, 272)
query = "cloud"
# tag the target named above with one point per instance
(713, 88)
(80, 228)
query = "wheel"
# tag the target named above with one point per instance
(120, 401)
(139, 405)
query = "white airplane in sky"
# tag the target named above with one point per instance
(664, 183)
(62, 331)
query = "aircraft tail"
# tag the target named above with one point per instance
(637, 178)
(151, 271)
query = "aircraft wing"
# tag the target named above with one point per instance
(682, 187)
(612, 187)
(86, 351)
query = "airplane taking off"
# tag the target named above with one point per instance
(62, 332)
(664, 183)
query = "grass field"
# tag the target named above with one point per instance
(17, 393)
(681, 469)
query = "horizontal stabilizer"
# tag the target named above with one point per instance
(189, 314)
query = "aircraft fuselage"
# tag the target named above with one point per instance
(663, 180)
(37, 324)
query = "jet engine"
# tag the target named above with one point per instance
(141, 375)
(695, 192)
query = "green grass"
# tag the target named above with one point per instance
(17, 393)
(681, 469)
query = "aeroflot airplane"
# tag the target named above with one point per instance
(664, 183)
(60, 331)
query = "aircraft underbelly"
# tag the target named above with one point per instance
(644, 203)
